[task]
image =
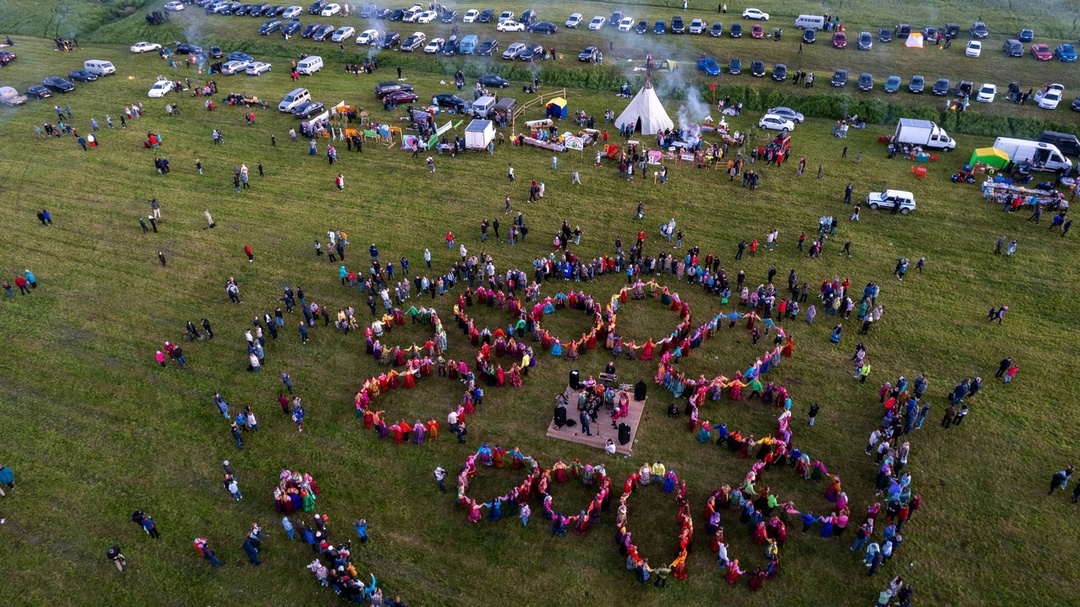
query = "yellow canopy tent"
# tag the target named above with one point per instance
(990, 156)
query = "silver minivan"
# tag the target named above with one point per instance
(294, 99)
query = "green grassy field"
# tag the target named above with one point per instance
(96, 430)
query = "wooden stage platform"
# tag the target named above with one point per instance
(601, 429)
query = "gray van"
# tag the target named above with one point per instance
(468, 44)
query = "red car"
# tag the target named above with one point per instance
(1041, 52)
(757, 31)
(839, 40)
(399, 97)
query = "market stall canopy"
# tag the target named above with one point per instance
(990, 156)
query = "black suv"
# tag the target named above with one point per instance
(488, 47)
(390, 39)
(1013, 48)
(979, 31)
(677, 25)
(383, 89)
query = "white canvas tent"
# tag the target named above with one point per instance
(479, 134)
(914, 40)
(645, 113)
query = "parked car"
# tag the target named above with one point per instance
(941, 87)
(292, 12)
(589, 53)
(625, 24)
(309, 29)
(573, 21)
(754, 13)
(787, 113)
(486, 15)
(735, 31)
(330, 10)
(986, 93)
(865, 41)
(510, 26)
(642, 27)
(1074, 106)
(289, 28)
(716, 30)
(979, 30)
(1047, 99)
(38, 91)
(973, 49)
(917, 85)
(839, 78)
(396, 14)
(897, 200)
(383, 89)
(865, 82)
(434, 46)
(449, 100)
(323, 33)
(234, 67)
(757, 68)
(368, 37)
(965, 88)
(734, 67)
(390, 40)
(448, 16)
(839, 40)
(215, 52)
(368, 11)
(709, 66)
(902, 31)
(776, 123)
(659, 27)
(184, 48)
(343, 33)
(1026, 35)
(809, 36)
(145, 47)
(532, 51)
(258, 68)
(506, 16)
(677, 25)
(175, 5)
(597, 23)
(309, 110)
(11, 97)
(892, 84)
(929, 33)
(399, 97)
(6, 57)
(413, 42)
(697, 26)
(493, 81)
(757, 32)
(884, 35)
(544, 27)
(1041, 52)
(1065, 52)
(58, 84)
(239, 56)
(488, 47)
(450, 47)
(427, 17)
(616, 18)
(82, 76)
(1013, 48)
(513, 50)
(471, 16)
(528, 18)
(159, 89)
(779, 72)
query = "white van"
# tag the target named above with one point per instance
(294, 99)
(101, 68)
(1042, 156)
(482, 106)
(810, 22)
(309, 65)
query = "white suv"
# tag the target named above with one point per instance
(897, 200)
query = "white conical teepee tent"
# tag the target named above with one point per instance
(645, 113)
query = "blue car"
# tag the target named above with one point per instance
(659, 27)
(1065, 52)
(709, 66)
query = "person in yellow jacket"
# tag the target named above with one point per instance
(658, 471)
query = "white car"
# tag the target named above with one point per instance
(174, 6)
(974, 49)
(1049, 99)
(343, 33)
(235, 67)
(411, 14)
(368, 37)
(292, 12)
(145, 47)
(697, 26)
(434, 46)
(330, 10)
(597, 23)
(755, 13)
(986, 93)
(573, 21)
(160, 89)
(506, 16)
(626, 24)
(258, 68)
(471, 15)
(513, 50)
(510, 26)
(899, 200)
(776, 122)
(426, 17)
